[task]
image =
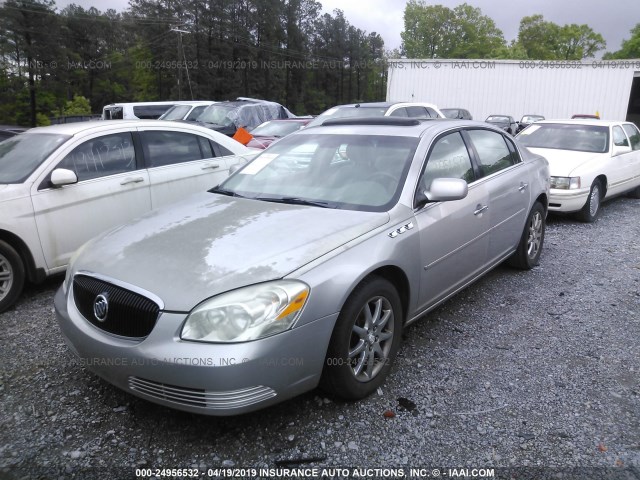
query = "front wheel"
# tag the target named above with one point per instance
(365, 341)
(527, 255)
(11, 276)
(591, 209)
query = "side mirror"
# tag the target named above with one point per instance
(63, 176)
(447, 189)
(620, 150)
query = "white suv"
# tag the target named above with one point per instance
(379, 109)
(62, 185)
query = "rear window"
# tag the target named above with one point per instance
(348, 112)
(22, 154)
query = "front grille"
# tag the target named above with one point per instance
(129, 314)
(193, 397)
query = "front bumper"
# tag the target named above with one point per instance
(567, 200)
(205, 378)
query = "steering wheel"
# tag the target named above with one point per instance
(388, 181)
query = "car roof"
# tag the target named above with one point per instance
(392, 126)
(99, 125)
(383, 104)
(583, 121)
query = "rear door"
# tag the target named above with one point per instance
(505, 176)
(181, 163)
(112, 189)
(453, 235)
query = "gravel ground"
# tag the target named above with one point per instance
(523, 369)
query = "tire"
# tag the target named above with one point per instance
(591, 209)
(361, 351)
(11, 276)
(527, 255)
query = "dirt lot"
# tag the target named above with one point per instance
(522, 370)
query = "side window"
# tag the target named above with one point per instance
(102, 156)
(432, 113)
(167, 148)
(634, 135)
(399, 112)
(222, 151)
(449, 158)
(417, 112)
(492, 151)
(206, 148)
(619, 138)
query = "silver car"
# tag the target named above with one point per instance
(302, 268)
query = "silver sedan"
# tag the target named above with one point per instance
(303, 267)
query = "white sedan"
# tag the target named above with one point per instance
(589, 160)
(62, 185)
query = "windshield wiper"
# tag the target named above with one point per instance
(224, 191)
(296, 201)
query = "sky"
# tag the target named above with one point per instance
(613, 19)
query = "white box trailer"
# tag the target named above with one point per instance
(554, 89)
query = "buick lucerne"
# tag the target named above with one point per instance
(303, 267)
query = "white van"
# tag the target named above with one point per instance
(136, 110)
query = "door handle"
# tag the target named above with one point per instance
(523, 186)
(129, 180)
(211, 166)
(480, 209)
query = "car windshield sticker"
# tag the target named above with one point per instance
(531, 129)
(258, 164)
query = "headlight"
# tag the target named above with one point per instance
(248, 313)
(565, 183)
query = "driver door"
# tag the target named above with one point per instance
(453, 235)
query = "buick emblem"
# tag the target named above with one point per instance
(101, 307)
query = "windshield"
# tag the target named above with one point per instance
(22, 154)
(177, 112)
(348, 112)
(217, 114)
(580, 138)
(498, 119)
(450, 112)
(352, 172)
(276, 129)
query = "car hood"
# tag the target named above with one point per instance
(210, 243)
(562, 163)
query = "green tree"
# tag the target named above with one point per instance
(543, 40)
(78, 106)
(630, 48)
(539, 38)
(435, 31)
(476, 35)
(429, 30)
(31, 29)
(579, 41)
